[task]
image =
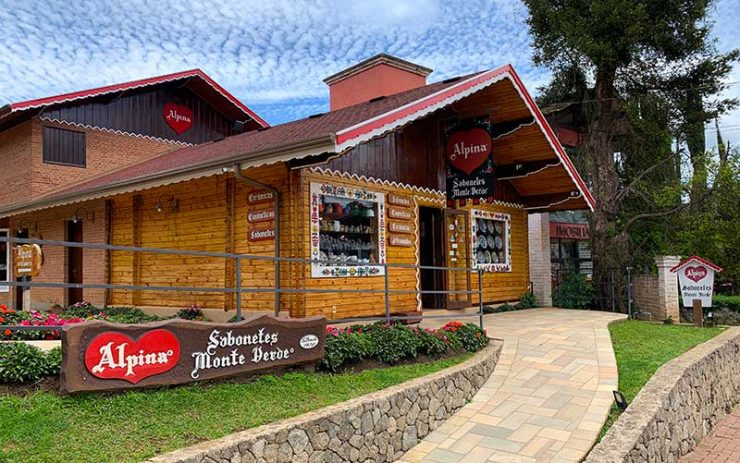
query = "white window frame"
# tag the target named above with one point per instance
(8, 269)
(349, 192)
(489, 215)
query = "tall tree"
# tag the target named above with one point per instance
(627, 61)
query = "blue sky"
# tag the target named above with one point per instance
(272, 54)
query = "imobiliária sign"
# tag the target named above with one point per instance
(696, 280)
(100, 356)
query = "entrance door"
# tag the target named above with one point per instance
(74, 261)
(456, 256)
(431, 253)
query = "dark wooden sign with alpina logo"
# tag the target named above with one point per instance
(100, 356)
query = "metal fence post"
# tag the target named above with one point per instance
(387, 299)
(238, 289)
(480, 297)
(629, 292)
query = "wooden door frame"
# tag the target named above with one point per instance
(457, 305)
(67, 225)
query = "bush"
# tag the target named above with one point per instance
(731, 303)
(527, 301)
(191, 313)
(23, 363)
(574, 292)
(391, 343)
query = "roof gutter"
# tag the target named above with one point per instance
(301, 149)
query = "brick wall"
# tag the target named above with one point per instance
(22, 148)
(539, 257)
(51, 224)
(645, 295)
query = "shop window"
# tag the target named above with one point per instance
(4, 262)
(347, 231)
(64, 147)
(491, 240)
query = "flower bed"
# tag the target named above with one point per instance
(392, 343)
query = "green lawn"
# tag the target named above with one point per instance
(641, 348)
(133, 426)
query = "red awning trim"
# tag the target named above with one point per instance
(552, 139)
(556, 203)
(709, 264)
(67, 97)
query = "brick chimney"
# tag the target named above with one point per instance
(381, 75)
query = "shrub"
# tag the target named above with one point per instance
(394, 343)
(431, 343)
(343, 347)
(574, 292)
(731, 303)
(527, 301)
(23, 363)
(471, 337)
(191, 313)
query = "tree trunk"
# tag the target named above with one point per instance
(696, 144)
(609, 245)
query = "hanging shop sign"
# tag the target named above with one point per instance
(399, 227)
(179, 118)
(571, 231)
(397, 213)
(400, 240)
(100, 356)
(260, 197)
(27, 260)
(399, 200)
(696, 280)
(261, 234)
(469, 164)
(264, 215)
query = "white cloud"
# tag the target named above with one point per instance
(271, 54)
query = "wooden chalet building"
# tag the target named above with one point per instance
(176, 162)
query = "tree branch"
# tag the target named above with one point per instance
(629, 188)
(649, 215)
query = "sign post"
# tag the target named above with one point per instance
(696, 280)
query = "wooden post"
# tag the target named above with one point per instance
(698, 313)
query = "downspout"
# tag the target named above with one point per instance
(254, 183)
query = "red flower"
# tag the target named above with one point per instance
(8, 332)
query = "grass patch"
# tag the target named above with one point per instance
(133, 426)
(641, 348)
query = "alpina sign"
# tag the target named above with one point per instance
(179, 118)
(469, 164)
(100, 356)
(696, 280)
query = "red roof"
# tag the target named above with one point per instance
(332, 132)
(236, 109)
(711, 265)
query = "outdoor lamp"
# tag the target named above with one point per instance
(83, 213)
(173, 203)
(620, 400)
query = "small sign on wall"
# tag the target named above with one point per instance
(399, 240)
(399, 200)
(27, 259)
(265, 215)
(260, 197)
(262, 234)
(179, 118)
(399, 227)
(397, 213)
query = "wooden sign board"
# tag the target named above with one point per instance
(261, 234)
(397, 213)
(399, 200)
(399, 227)
(264, 215)
(696, 280)
(399, 240)
(101, 356)
(260, 197)
(27, 259)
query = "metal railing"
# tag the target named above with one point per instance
(238, 289)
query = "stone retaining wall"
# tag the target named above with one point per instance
(377, 427)
(678, 406)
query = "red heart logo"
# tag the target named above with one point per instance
(695, 273)
(178, 117)
(467, 150)
(114, 355)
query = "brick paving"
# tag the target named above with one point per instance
(547, 398)
(721, 445)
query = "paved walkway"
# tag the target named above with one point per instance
(721, 445)
(547, 398)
